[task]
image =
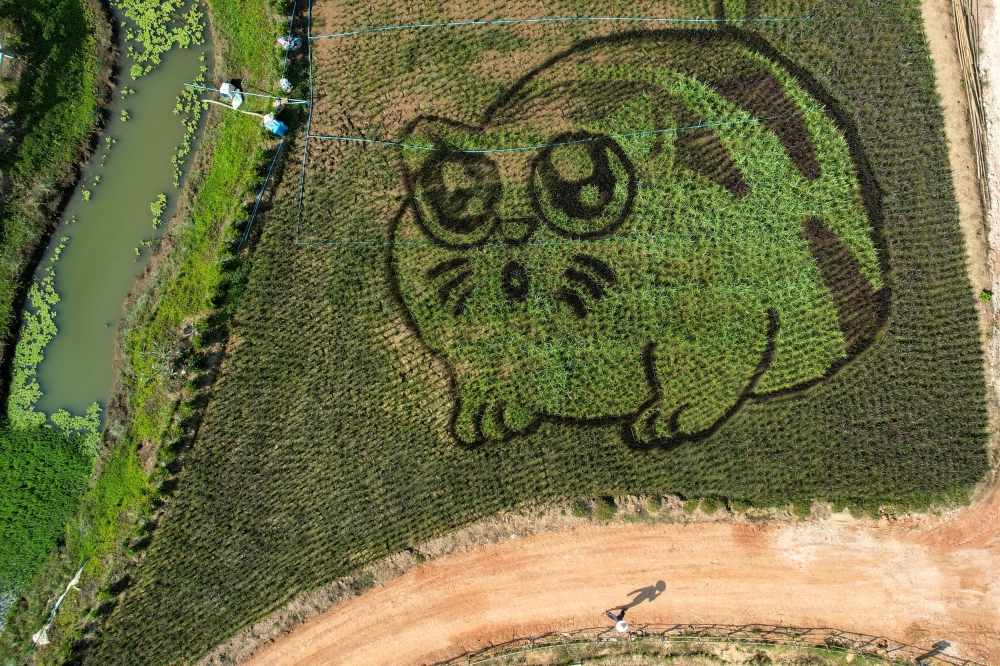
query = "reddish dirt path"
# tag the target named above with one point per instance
(918, 583)
(915, 585)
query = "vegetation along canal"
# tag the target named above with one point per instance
(108, 226)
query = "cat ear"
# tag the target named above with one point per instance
(426, 132)
(422, 135)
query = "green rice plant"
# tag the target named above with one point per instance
(332, 441)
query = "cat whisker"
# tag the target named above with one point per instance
(444, 291)
(444, 267)
(589, 284)
(460, 303)
(574, 300)
(598, 267)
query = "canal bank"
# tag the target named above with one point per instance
(154, 410)
(107, 228)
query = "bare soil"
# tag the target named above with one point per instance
(918, 579)
(938, 581)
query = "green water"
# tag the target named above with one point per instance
(99, 266)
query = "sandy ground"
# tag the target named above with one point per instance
(918, 580)
(918, 586)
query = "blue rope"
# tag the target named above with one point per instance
(629, 135)
(246, 234)
(555, 20)
(250, 94)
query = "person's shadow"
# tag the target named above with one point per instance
(648, 593)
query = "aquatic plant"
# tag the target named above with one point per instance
(157, 208)
(190, 109)
(38, 327)
(158, 27)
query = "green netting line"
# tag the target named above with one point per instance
(540, 146)
(558, 19)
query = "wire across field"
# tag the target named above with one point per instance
(337, 438)
(494, 23)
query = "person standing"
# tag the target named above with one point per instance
(621, 626)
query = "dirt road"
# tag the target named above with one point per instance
(920, 581)
(918, 586)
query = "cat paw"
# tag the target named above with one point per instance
(654, 424)
(491, 420)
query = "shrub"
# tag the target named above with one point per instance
(710, 505)
(605, 508)
(737, 506)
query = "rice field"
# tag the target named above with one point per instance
(723, 262)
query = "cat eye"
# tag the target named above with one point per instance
(458, 194)
(583, 185)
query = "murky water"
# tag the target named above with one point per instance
(99, 265)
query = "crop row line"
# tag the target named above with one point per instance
(540, 146)
(560, 19)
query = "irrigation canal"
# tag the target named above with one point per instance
(99, 265)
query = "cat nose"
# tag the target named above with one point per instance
(515, 281)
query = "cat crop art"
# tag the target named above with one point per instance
(682, 229)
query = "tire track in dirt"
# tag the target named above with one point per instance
(882, 581)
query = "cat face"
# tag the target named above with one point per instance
(607, 270)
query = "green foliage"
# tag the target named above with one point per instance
(43, 473)
(710, 505)
(249, 39)
(157, 208)
(233, 170)
(38, 327)
(190, 110)
(37, 330)
(100, 528)
(158, 26)
(986, 295)
(690, 506)
(579, 509)
(736, 506)
(336, 417)
(54, 110)
(802, 509)
(654, 504)
(604, 508)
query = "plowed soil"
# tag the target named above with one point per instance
(918, 580)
